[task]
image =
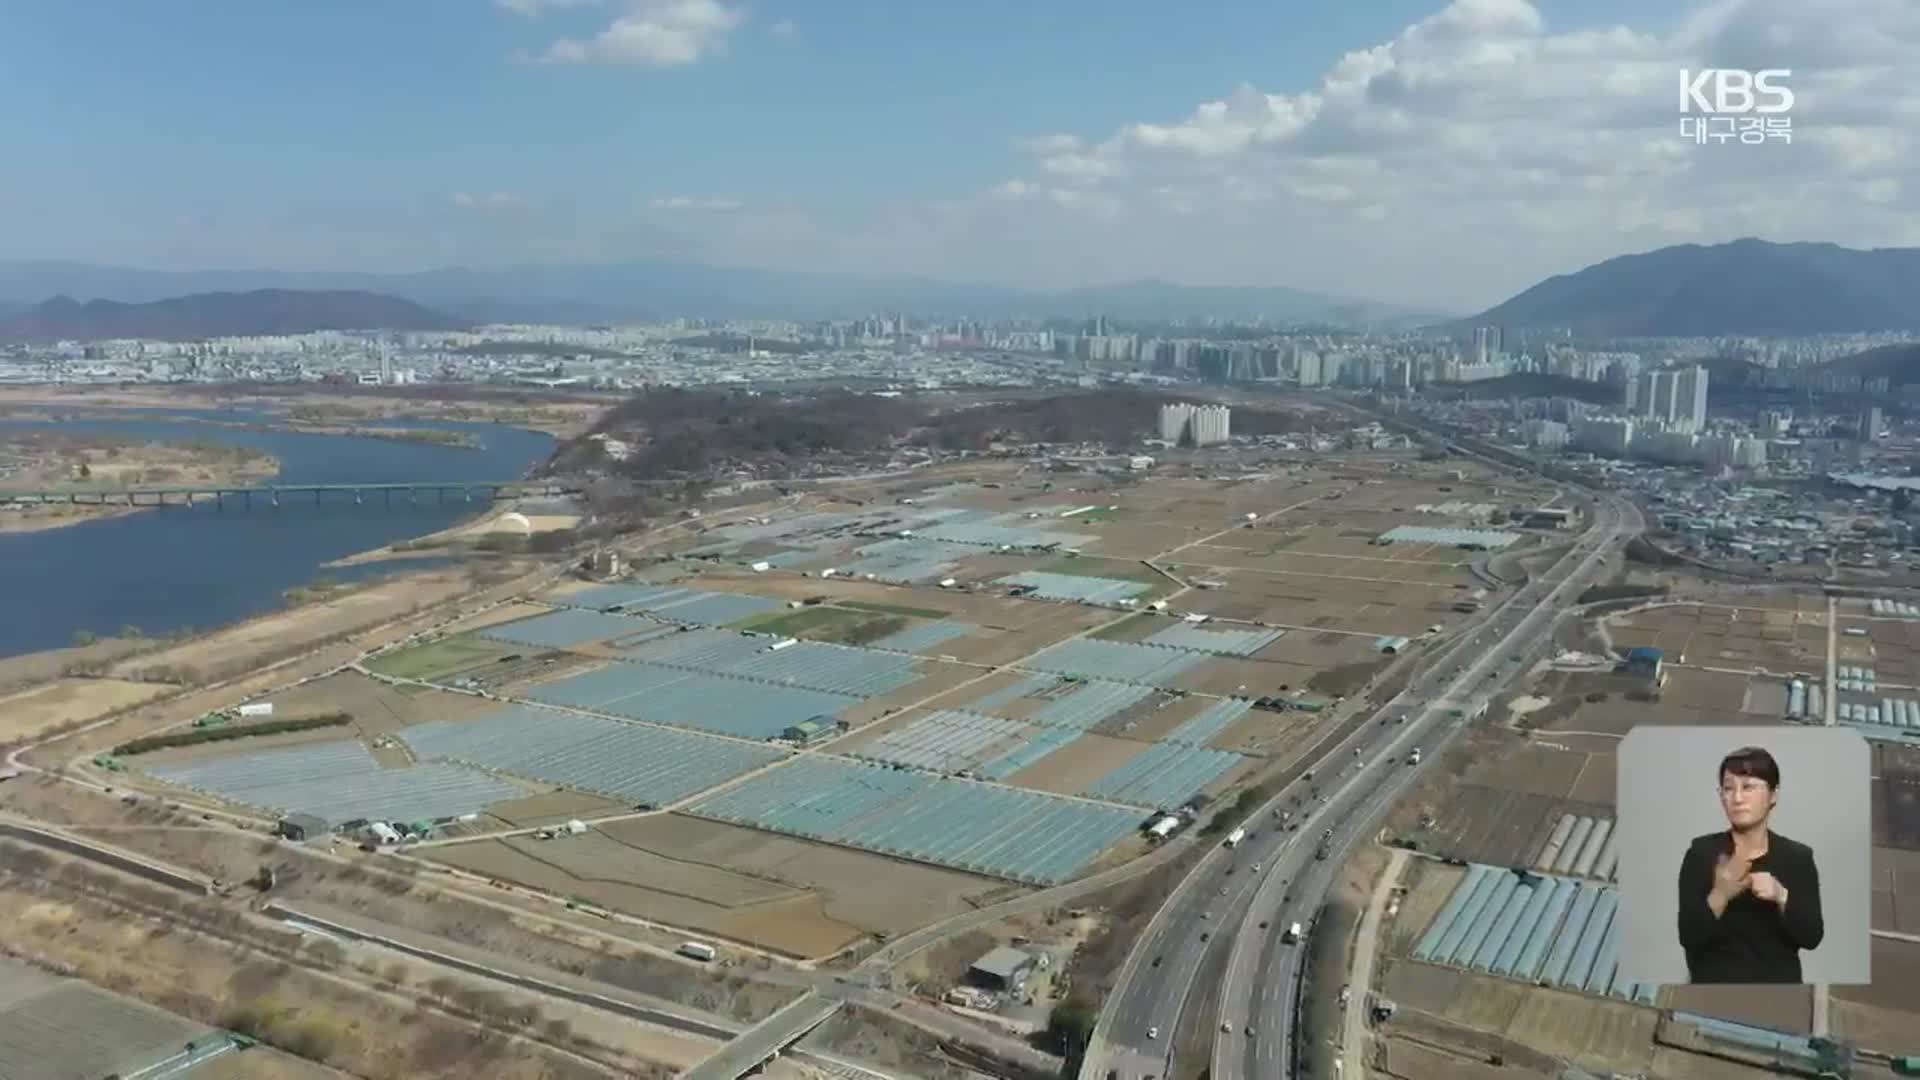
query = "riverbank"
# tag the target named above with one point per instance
(93, 464)
(462, 538)
(213, 670)
(175, 569)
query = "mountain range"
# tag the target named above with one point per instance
(1744, 288)
(204, 315)
(612, 292)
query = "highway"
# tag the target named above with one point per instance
(1257, 992)
(1227, 903)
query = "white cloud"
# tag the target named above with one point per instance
(653, 33)
(1480, 150)
(691, 203)
(487, 200)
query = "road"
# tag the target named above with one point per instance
(1226, 896)
(1366, 946)
(1523, 626)
(765, 1039)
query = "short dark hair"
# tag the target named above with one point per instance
(1751, 761)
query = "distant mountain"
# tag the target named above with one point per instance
(666, 289)
(220, 314)
(1899, 364)
(1747, 287)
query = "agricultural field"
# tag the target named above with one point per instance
(1594, 1033)
(1780, 634)
(742, 732)
(56, 1027)
(441, 659)
(1533, 787)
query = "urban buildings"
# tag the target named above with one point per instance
(1199, 425)
(1489, 344)
(1673, 397)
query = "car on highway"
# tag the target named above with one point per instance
(1153, 1033)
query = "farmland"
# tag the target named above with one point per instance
(964, 694)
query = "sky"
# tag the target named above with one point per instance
(1434, 154)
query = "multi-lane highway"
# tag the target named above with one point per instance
(1241, 900)
(1256, 1012)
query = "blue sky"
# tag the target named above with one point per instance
(389, 134)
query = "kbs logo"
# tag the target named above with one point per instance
(1724, 104)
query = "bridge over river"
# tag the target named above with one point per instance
(275, 494)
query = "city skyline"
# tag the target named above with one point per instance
(1417, 153)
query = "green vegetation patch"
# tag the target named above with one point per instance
(1095, 566)
(823, 623)
(236, 731)
(797, 623)
(438, 659)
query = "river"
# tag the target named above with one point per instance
(174, 569)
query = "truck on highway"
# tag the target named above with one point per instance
(1292, 934)
(697, 950)
(1326, 846)
(1237, 835)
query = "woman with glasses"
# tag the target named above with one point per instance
(1749, 897)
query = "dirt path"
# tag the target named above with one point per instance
(1365, 948)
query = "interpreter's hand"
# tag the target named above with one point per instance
(1767, 887)
(1731, 877)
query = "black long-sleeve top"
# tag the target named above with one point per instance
(1753, 940)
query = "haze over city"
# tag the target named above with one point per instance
(1438, 156)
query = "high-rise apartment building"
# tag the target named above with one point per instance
(1173, 421)
(1489, 344)
(1690, 398)
(1200, 425)
(1674, 397)
(1211, 425)
(1872, 423)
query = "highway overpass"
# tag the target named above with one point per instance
(763, 1041)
